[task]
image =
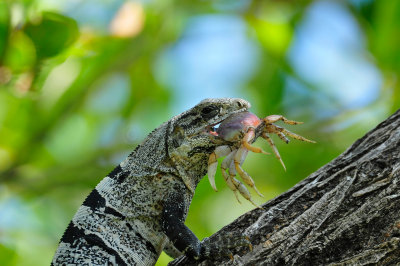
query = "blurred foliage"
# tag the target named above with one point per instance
(83, 82)
(63, 32)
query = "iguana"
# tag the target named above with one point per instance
(139, 209)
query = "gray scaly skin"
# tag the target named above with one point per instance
(139, 209)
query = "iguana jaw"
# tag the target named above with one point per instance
(228, 107)
(211, 129)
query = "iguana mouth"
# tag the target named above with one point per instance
(212, 129)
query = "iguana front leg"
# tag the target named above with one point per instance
(173, 225)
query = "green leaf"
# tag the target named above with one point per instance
(20, 54)
(274, 36)
(7, 255)
(385, 37)
(52, 34)
(4, 27)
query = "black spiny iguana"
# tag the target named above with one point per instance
(139, 209)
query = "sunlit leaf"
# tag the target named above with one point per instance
(20, 52)
(52, 33)
(274, 36)
(386, 35)
(4, 27)
(7, 255)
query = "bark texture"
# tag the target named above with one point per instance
(345, 213)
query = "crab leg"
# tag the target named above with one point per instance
(295, 136)
(274, 149)
(239, 158)
(228, 179)
(283, 131)
(220, 151)
(234, 184)
(247, 138)
(274, 118)
(244, 191)
(231, 185)
(239, 185)
(271, 128)
(283, 137)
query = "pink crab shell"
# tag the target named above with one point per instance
(232, 128)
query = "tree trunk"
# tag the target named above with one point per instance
(346, 213)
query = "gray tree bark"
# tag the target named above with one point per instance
(345, 213)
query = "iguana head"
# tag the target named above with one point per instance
(191, 138)
(208, 113)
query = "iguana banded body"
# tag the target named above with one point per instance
(139, 209)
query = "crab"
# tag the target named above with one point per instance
(242, 129)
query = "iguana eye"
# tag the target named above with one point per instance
(209, 111)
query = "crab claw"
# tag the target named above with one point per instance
(212, 169)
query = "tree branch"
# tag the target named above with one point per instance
(345, 213)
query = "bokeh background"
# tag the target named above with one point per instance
(82, 82)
